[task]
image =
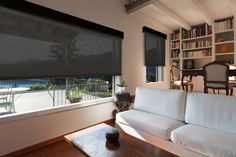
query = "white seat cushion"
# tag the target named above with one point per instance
(153, 124)
(209, 142)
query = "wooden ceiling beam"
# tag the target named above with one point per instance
(136, 5)
(171, 15)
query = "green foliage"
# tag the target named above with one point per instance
(75, 94)
(100, 94)
(151, 78)
(122, 84)
(38, 86)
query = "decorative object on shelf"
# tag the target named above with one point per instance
(122, 86)
(112, 135)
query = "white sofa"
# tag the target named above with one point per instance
(188, 125)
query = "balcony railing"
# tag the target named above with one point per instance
(30, 96)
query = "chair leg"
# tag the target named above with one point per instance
(205, 90)
(231, 91)
(186, 88)
(214, 91)
(227, 92)
(191, 88)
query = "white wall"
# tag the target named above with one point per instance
(23, 133)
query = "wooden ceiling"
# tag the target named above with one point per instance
(173, 14)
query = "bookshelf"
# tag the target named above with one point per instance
(175, 47)
(224, 40)
(192, 49)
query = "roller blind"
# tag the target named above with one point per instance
(154, 47)
(39, 42)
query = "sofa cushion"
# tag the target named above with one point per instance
(170, 103)
(156, 125)
(211, 111)
(209, 142)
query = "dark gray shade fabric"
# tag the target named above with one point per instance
(32, 47)
(154, 50)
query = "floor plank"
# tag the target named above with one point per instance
(59, 149)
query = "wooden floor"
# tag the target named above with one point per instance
(59, 149)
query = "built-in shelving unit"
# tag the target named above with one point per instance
(203, 43)
(175, 46)
(224, 40)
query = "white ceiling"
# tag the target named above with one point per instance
(174, 14)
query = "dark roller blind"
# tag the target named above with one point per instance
(154, 47)
(37, 44)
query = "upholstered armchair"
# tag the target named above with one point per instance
(216, 77)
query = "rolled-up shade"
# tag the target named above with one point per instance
(39, 42)
(154, 47)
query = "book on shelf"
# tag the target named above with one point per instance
(175, 54)
(224, 25)
(197, 31)
(196, 44)
(175, 44)
(197, 54)
(175, 36)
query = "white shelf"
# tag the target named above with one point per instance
(203, 57)
(198, 48)
(175, 58)
(224, 31)
(177, 48)
(222, 54)
(175, 40)
(197, 38)
(224, 42)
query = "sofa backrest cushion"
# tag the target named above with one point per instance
(211, 111)
(169, 103)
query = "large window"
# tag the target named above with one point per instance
(51, 59)
(154, 55)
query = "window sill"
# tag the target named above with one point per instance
(47, 111)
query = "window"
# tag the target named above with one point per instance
(154, 55)
(51, 59)
(154, 74)
(20, 96)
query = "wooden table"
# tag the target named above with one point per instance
(92, 143)
(199, 72)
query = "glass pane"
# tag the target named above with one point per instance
(93, 53)
(151, 74)
(20, 96)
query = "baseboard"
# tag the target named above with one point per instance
(48, 142)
